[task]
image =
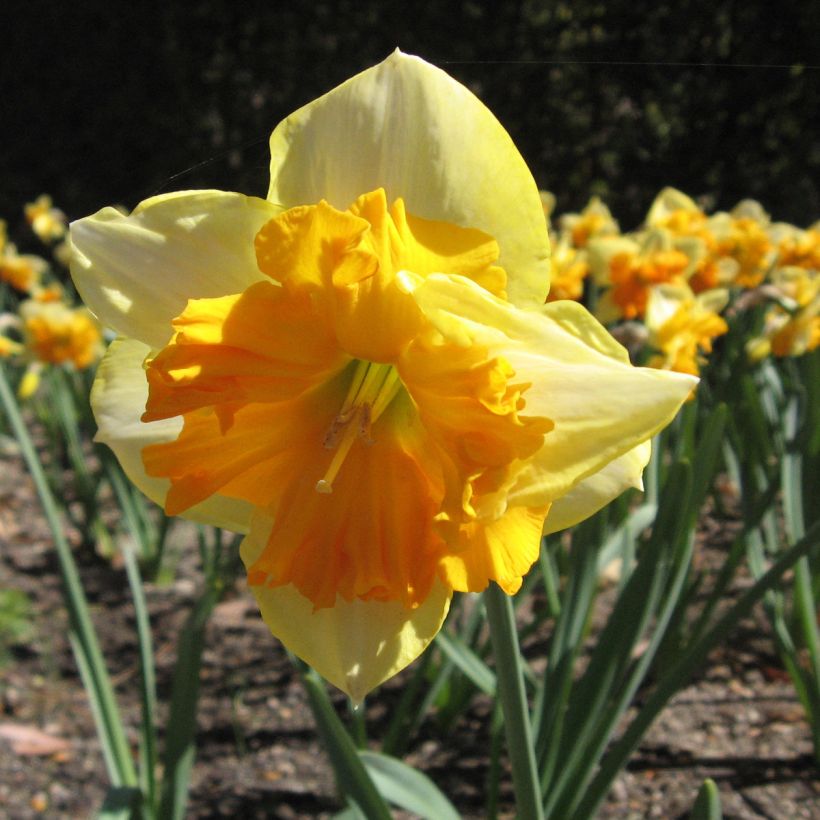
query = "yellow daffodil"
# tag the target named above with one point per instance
(48, 222)
(688, 225)
(743, 236)
(682, 326)
(9, 348)
(55, 333)
(795, 247)
(674, 211)
(595, 220)
(629, 266)
(792, 323)
(359, 371)
(568, 271)
(22, 271)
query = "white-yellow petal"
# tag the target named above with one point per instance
(666, 203)
(602, 249)
(595, 492)
(137, 272)
(118, 400)
(602, 407)
(356, 645)
(409, 128)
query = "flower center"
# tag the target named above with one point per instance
(371, 390)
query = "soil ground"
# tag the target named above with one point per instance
(739, 721)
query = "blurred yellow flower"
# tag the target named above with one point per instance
(797, 248)
(360, 373)
(48, 222)
(55, 333)
(22, 271)
(743, 236)
(569, 269)
(682, 326)
(8, 347)
(629, 266)
(792, 324)
(690, 232)
(595, 220)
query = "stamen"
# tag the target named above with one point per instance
(325, 485)
(371, 390)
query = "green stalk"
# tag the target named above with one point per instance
(180, 735)
(804, 603)
(510, 681)
(97, 683)
(148, 744)
(351, 776)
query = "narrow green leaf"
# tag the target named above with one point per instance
(121, 803)
(148, 744)
(352, 778)
(676, 677)
(549, 708)
(407, 788)
(467, 661)
(84, 642)
(352, 812)
(634, 524)
(180, 748)
(707, 806)
(511, 693)
(597, 696)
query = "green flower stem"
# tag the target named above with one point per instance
(351, 775)
(148, 740)
(510, 681)
(116, 751)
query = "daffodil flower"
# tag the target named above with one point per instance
(682, 326)
(359, 371)
(48, 222)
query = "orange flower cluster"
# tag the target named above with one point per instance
(40, 326)
(664, 286)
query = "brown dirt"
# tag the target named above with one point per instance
(258, 756)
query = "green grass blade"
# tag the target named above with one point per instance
(401, 717)
(680, 673)
(180, 749)
(593, 701)
(467, 661)
(351, 775)
(407, 788)
(148, 746)
(707, 806)
(549, 708)
(121, 803)
(510, 681)
(111, 732)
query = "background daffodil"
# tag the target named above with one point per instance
(359, 371)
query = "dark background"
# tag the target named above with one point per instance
(109, 102)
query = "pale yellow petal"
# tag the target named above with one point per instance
(137, 272)
(356, 645)
(601, 250)
(595, 492)
(601, 406)
(666, 203)
(664, 300)
(409, 128)
(118, 400)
